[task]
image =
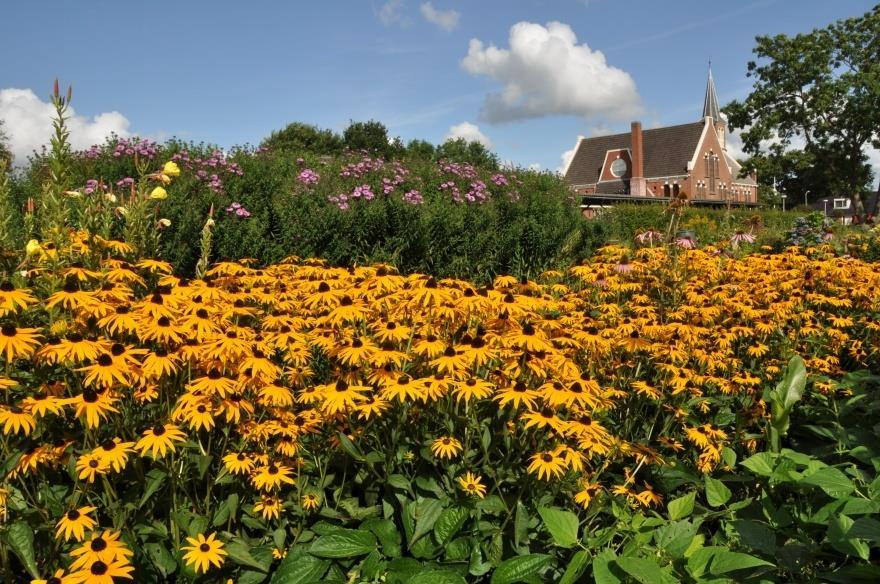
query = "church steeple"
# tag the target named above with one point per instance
(712, 110)
(710, 103)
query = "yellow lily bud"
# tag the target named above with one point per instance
(158, 194)
(171, 168)
(32, 247)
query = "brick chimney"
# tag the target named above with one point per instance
(637, 184)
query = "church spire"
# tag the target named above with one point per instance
(710, 103)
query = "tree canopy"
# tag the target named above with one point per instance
(5, 152)
(819, 93)
(300, 137)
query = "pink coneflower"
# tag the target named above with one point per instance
(649, 237)
(828, 235)
(685, 242)
(741, 237)
(624, 267)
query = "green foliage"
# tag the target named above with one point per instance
(5, 152)
(370, 136)
(468, 151)
(783, 398)
(299, 138)
(821, 87)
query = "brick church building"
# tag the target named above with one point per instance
(656, 164)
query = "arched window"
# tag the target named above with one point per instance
(666, 191)
(675, 189)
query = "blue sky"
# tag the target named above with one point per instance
(230, 72)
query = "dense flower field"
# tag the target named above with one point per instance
(156, 426)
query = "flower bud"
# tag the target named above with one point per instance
(159, 194)
(32, 247)
(171, 169)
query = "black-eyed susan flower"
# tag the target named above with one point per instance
(93, 407)
(269, 507)
(238, 463)
(15, 419)
(16, 343)
(13, 299)
(104, 547)
(89, 466)
(75, 523)
(472, 485)
(272, 476)
(204, 552)
(446, 447)
(310, 501)
(159, 440)
(547, 465)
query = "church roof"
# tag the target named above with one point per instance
(667, 152)
(710, 102)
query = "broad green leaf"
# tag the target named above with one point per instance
(437, 577)
(161, 558)
(842, 540)
(562, 525)
(761, 464)
(298, 567)
(427, 513)
(643, 570)
(459, 549)
(866, 528)
(399, 481)
(519, 568)
(239, 553)
(726, 561)
(226, 510)
(681, 507)
(576, 568)
(449, 522)
(154, 481)
(831, 480)
(386, 531)
(344, 544)
(756, 536)
(350, 448)
(717, 493)
(602, 573)
(698, 561)
(674, 537)
(20, 538)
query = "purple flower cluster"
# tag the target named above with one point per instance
(362, 192)
(93, 152)
(413, 197)
(125, 182)
(459, 169)
(129, 147)
(91, 186)
(500, 180)
(365, 166)
(238, 210)
(209, 170)
(478, 193)
(308, 177)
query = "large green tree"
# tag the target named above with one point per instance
(5, 152)
(819, 90)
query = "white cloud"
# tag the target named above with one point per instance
(545, 72)
(28, 122)
(392, 13)
(469, 132)
(445, 19)
(874, 161)
(566, 159)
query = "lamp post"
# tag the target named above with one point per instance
(783, 202)
(825, 207)
(807, 192)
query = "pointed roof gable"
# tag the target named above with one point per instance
(710, 103)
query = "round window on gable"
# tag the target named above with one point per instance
(618, 167)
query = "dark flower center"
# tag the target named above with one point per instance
(117, 349)
(202, 313)
(158, 430)
(99, 544)
(8, 330)
(164, 321)
(214, 374)
(105, 360)
(520, 387)
(273, 469)
(323, 287)
(123, 309)
(204, 548)
(546, 457)
(89, 396)
(99, 568)
(108, 445)
(201, 409)
(341, 385)
(73, 515)
(7, 286)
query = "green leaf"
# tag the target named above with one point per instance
(602, 573)
(449, 522)
(520, 525)
(675, 537)
(562, 525)
(298, 567)
(643, 570)
(437, 577)
(399, 481)
(717, 493)
(831, 480)
(226, 510)
(426, 515)
(344, 544)
(20, 537)
(682, 507)
(726, 561)
(239, 552)
(519, 568)
(866, 528)
(350, 447)
(761, 464)
(386, 531)
(842, 540)
(576, 567)
(161, 558)
(154, 481)
(698, 561)
(756, 536)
